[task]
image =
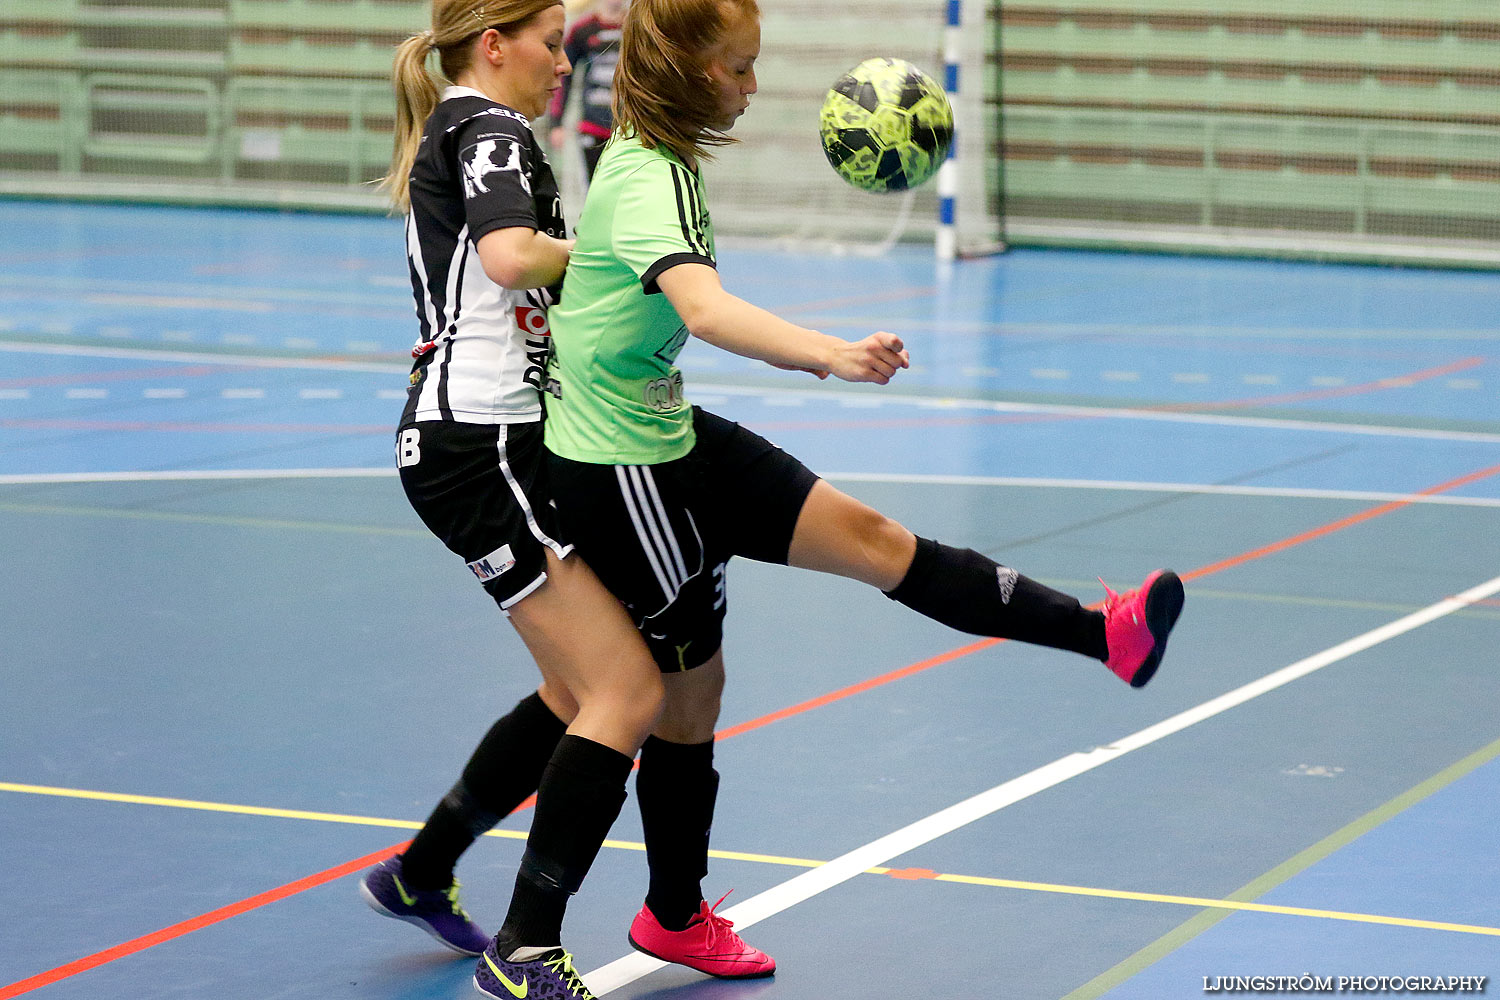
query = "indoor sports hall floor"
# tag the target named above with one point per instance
(235, 670)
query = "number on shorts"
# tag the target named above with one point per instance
(408, 448)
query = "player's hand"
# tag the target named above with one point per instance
(819, 372)
(876, 359)
(557, 136)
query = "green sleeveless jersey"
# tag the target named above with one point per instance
(615, 395)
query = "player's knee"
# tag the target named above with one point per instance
(642, 702)
(676, 726)
(692, 705)
(884, 545)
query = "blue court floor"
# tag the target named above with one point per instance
(236, 670)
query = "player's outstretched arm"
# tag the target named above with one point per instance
(518, 257)
(732, 324)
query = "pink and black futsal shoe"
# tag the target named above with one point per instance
(708, 944)
(1136, 625)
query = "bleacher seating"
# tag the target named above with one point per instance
(293, 90)
(1371, 117)
(42, 121)
(328, 131)
(1359, 115)
(310, 96)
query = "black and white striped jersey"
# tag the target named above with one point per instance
(482, 354)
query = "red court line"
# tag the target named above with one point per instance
(1379, 385)
(1195, 574)
(118, 375)
(1331, 527)
(1391, 382)
(312, 881)
(853, 689)
(888, 423)
(890, 295)
(195, 923)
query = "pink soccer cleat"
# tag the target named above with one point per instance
(707, 944)
(1136, 625)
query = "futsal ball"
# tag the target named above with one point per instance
(886, 125)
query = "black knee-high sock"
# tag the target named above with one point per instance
(581, 793)
(971, 592)
(676, 788)
(504, 769)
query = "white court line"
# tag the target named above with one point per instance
(204, 358)
(1293, 492)
(1389, 250)
(624, 971)
(1125, 413)
(847, 397)
(189, 475)
(402, 303)
(235, 295)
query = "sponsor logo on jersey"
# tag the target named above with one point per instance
(559, 231)
(664, 394)
(532, 322)
(493, 565)
(668, 352)
(492, 156)
(496, 113)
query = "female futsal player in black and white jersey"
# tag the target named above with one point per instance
(486, 248)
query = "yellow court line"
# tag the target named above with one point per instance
(771, 859)
(323, 817)
(1222, 904)
(154, 800)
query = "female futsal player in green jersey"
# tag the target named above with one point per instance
(658, 494)
(486, 248)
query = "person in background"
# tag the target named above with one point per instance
(593, 47)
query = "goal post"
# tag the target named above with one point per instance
(777, 184)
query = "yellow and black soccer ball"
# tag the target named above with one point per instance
(886, 125)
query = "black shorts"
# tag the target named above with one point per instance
(482, 489)
(659, 536)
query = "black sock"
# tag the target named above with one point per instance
(504, 769)
(581, 793)
(676, 788)
(971, 592)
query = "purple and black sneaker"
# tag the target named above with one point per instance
(547, 974)
(436, 911)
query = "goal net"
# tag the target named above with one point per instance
(777, 183)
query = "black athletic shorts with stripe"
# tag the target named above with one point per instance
(482, 489)
(659, 536)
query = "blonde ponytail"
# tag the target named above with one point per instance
(455, 24)
(416, 96)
